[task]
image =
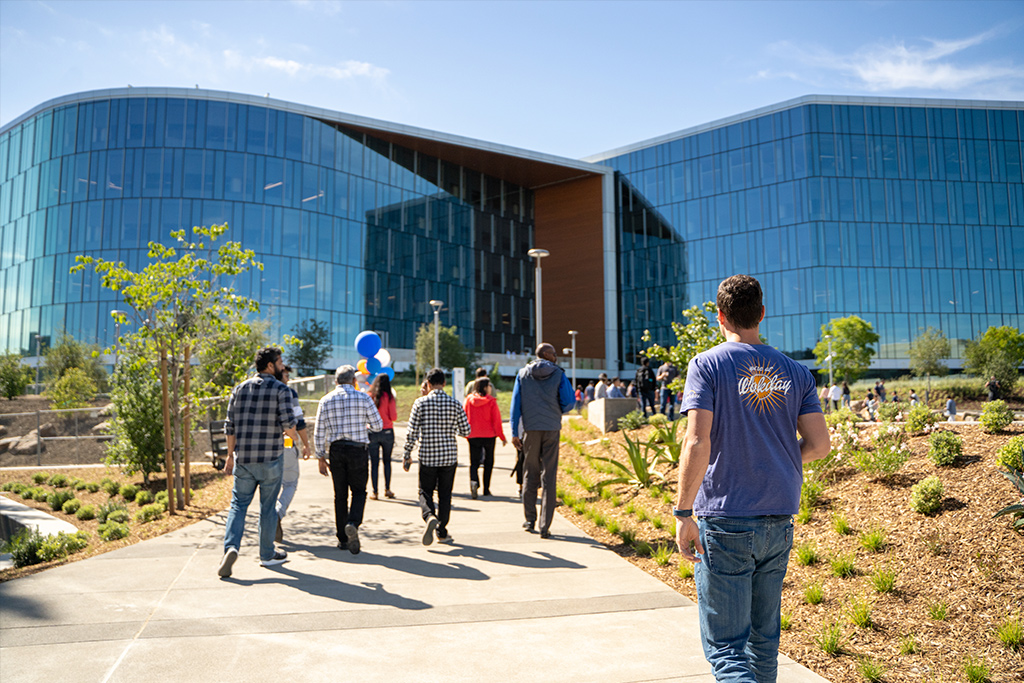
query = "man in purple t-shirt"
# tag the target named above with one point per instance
(740, 475)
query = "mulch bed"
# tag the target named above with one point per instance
(960, 556)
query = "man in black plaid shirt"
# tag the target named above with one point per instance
(435, 420)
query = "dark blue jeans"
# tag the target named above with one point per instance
(668, 398)
(349, 470)
(647, 400)
(739, 594)
(381, 445)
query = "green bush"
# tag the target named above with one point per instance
(889, 454)
(57, 499)
(119, 515)
(926, 495)
(920, 418)
(1011, 455)
(112, 530)
(24, 547)
(996, 416)
(161, 497)
(945, 447)
(633, 420)
(92, 487)
(111, 487)
(111, 508)
(149, 512)
(86, 512)
(40, 477)
(843, 416)
(15, 487)
(70, 507)
(58, 480)
(40, 495)
(128, 492)
(888, 412)
(62, 544)
(143, 497)
(73, 389)
(657, 420)
(79, 485)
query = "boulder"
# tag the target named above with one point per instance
(27, 445)
(857, 406)
(5, 444)
(3, 431)
(101, 428)
(47, 429)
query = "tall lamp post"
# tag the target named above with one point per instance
(117, 313)
(39, 358)
(828, 338)
(573, 333)
(437, 340)
(539, 254)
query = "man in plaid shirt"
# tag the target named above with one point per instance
(260, 409)
(341, 440)
(435, 420)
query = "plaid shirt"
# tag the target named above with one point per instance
(344, 414)
(259, 411)
(436, 419)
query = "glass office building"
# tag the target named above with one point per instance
(908, 213)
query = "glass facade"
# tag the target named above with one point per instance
(907, 216)
(352, 230)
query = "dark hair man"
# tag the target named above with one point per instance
(434, 421)
(740, 474)
(344, 419)
(646, 385)
(542, 393)
(259, 409)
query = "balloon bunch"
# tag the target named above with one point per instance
(376, 359)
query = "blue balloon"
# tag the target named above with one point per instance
(390, 372)
(372, 366)
(367, 344)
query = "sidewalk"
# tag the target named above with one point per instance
(498, 605)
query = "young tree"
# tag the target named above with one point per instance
(182, 302)
(311, 348)
(73, 389)
(698, 335)
(452, 352)
(138, 425)
(69, 353)
(996, 353)
(852, 338)
(926, 354)
(14, 377)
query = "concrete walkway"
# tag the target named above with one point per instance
(499, 605)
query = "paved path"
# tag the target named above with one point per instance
(499, 605)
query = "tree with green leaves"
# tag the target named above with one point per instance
(926, 354)
(74, 389)
(137, 424)
(996, 353)
(696, 336)
(14, 377)
(852, 338)
(69, 353)
(182, 302)
(311, 348)
(452, 352)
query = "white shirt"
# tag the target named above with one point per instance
(835, 393)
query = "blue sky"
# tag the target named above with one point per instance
(566, 78)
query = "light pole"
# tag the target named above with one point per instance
(573, 333)
(828, 338)
(437, 343)
(39, 358)
(539, 254)
(117, 313)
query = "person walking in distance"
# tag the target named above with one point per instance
(290, 469)
(541, 395)
(344, 419)
(739, 483)
(667, 373)
(260, 408)
(434, 422)
(485, 426)
(603, 383)
(383, 442)
(647, 385)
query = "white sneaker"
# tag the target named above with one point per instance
(428, 534)
(280, 557)
(228, 561)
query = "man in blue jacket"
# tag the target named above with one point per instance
(542, 393)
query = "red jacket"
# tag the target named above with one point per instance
(388, 409)
(484, 417)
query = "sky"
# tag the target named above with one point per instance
(566, 78)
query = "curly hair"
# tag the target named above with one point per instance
(740, 301)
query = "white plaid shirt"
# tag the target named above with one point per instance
(344, 414)
(436, 419)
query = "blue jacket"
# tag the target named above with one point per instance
(541, 394)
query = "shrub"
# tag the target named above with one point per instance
(996, 416)
(62, 544)
(145, 497)
(814, 594)
(79, 485)
(785, 621)
(938, 611)
(633, 420)
(161, 497)
(111, 487)
(128, 492)
(40, 477)
(657, 420)
(840, 525)
(831, 639)
(40, 495)
(810, 491)
(870, 671)
(884, 580)
(70, 507)
(840, 417)
(57, 499)
(73, 389)
(685, 570)
(58, 480)
(104, 512)
(926, 496)
(119, 515)
(112, 531)
(24, 547)
(86, 512)
(807, 554)
(945, 447)
(860, 613)
(889, 455)
(1011, 455)
(920, 419)
(908, 644)
(92, 487)
(149, 512)
(888, 412)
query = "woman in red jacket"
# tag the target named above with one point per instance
(485, 425)
(383, 442)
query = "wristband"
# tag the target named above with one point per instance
(682, 514)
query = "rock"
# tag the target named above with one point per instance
(27, 445)
(106, 411)
(47, 430)
(857, 406)
(3, 430)
(5, 444)
(101, 428)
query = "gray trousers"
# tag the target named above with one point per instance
(540, 468)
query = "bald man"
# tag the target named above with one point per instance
(542, 393)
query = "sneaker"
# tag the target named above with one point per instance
(353, 538)
(280, 557)
(528, 527)
(473, 488)
(428, 534)
(545, 534)
(228, 561)
(279, 534)
(447, 539)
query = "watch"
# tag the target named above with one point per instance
(682, 514)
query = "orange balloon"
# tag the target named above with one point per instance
(361, 366)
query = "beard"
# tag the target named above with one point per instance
(279, 374)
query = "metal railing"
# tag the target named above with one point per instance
(76, 437)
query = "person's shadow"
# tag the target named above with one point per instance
(538, 560)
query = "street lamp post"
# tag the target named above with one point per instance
(573, 333)
(539, 254)
(437, 339)
(117, 331)
(39, 358)
(828, 338)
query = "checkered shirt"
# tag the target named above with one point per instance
(345, 414)
(436, 419)
(259, 410)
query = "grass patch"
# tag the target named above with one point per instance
(840, 525)
(807, 554)
(831, 639)
(870, 670)
(685, 570)
(814, 594)
(860, 613)
(1011, 634)
(908, 645)
(976, 670)
(843, 566)
(938, 611)
(873, 541)
(884, 580)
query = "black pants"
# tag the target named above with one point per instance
(381, 445)
(481, 451)
(349, 470)
(442, 479)
(647, 399)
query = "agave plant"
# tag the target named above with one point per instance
(668, 435)
(1017, 509)
(639, 468)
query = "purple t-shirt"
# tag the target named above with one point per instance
(756, 394)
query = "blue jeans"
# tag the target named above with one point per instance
(249, 475)
(739, 594)
(668, 399)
